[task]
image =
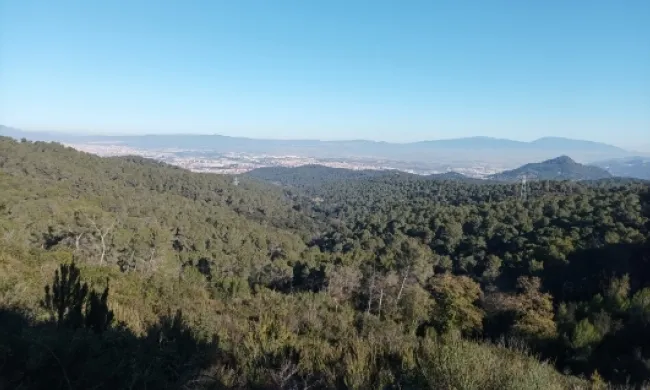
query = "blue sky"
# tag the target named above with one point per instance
(329, 69)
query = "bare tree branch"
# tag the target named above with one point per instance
(103, 234)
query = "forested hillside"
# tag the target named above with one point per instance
(128, 273)
(560, 168)
(310, 176)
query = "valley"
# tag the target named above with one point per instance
(324, 195)
(247, 279)
(476, 157)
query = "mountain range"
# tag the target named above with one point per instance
(505, 152)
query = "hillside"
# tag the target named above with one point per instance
(560, 168)
(314, 179)
(387, 281)
(309, 175)
(129, 193)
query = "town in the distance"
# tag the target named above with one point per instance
(475, 157)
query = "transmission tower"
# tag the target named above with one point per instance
(235, 181)
(524, 192)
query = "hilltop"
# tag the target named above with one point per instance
(450, 176)
(309, 175)
(559, 168)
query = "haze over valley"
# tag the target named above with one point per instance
(476, 157)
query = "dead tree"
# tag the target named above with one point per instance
(103, 233)
(406, 275)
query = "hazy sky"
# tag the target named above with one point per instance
(329, 69)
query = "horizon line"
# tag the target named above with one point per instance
(103, 134)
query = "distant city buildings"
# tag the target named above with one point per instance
(236, 163)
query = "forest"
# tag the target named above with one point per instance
(127, 273)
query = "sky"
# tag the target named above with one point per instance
(393, 70)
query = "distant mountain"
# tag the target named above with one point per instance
(474, 143)
(506, 153)
(18, 134)
(546, 143)
(635, 167)
(558, 143)
(560, 168)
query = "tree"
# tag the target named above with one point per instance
(640, 306)
(98, 316)
(455, 306)
(97, 225)
(534, 310)
(342, 283)
(412, 264)
(584, 336)
(492, 268)
(617, 294)
(415, 306)
(66, 298)
(73, 305)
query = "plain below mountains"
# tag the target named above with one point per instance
(636, 167)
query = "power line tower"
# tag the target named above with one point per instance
(235, 181)
(524, 189)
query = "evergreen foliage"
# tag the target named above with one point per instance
(387, 281)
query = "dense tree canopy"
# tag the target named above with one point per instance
(357, 281)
